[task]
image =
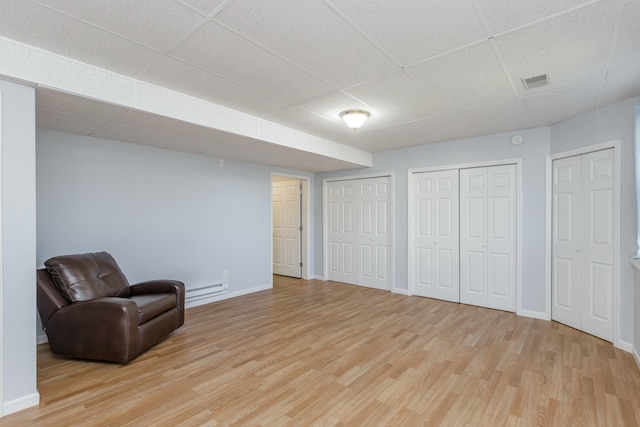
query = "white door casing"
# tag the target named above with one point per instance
(583, 242)
(488, 236)
(435, 235)
(286, 227)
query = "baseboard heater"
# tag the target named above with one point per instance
(203, 292)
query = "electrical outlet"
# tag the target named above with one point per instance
(225, 274)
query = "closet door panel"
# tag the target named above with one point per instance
(436, 239)
(501, 237)
(473, 236)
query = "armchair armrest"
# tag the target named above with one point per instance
(99, 329)
(162, 286)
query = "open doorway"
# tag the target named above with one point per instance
(290, 225)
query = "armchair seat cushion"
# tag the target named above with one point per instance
(150, 306)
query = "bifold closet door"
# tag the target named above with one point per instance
(372, 232)
(359, 231)
(488, 237)
(435, 228)
(583, 242)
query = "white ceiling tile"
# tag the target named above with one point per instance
(205, 6)
(66, 122)
(571, 48)
(179, 76)
(496, 118)
(504, 15)
(46, 29)
(436, 129)
(157, 24)
(552, 107)
(399, 96)
(330, 106)
(49, 99)
(625, 54)
(311, 35)
(244, 62)
(306, 121)
(284, 60)
(619, 89)
(415, 30)
(466, 78)
(216, 143)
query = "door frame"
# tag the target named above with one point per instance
(392, 223)
(2, 299)
(616, 312)
(305, 221)
(410, 218)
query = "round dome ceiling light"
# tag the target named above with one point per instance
(355, 118)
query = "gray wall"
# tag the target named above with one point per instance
(615, 122)
(19, 246)
(160, 213)
(480, 149)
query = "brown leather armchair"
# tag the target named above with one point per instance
(89, 310)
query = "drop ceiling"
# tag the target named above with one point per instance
(428, 71)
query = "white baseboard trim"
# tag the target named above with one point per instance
(623, 345)
(533, 314)
(228, 295)
(636, 356)
(317, 277)
(42, 339)
(400, 291)
(21, 403)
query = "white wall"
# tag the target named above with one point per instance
(19, 247)
(615, 122)
(480, 149)
(160, 213)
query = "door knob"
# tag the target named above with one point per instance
(578, 250)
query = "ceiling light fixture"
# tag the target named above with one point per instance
(355, 118)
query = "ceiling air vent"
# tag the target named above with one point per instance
(536, 81)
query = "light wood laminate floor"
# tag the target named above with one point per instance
(324, 353)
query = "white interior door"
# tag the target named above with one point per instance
(359, 231)
(584, 242)
(488, 217)
(436, 239)
(373, 232)
(286, 227)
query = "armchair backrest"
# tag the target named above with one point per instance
(49, 298)
(89, 276)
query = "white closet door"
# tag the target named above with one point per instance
(502, 230)
(359, 231)
(373, 232)
(473, 236)
(341, 232)
(566, 225)
(583, 242)
(435, 228)
(488, 237)
(286, 228)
